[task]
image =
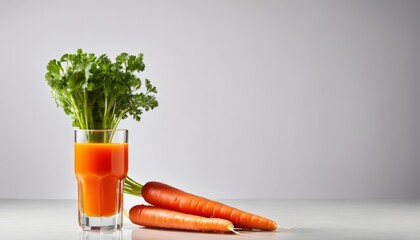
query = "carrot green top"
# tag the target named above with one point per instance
(96, 92)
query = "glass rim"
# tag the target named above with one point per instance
(101, 130)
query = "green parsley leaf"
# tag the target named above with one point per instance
(98, 93)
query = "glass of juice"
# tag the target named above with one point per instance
(101, 165)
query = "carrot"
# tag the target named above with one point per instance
(168, 197)
(150, 216)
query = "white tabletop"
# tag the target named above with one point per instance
(310, 219)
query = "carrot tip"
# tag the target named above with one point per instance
(286, 227)
(231, 228)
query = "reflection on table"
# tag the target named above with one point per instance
(101, 235)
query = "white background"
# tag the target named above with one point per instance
(258, 99)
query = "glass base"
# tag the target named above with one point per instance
(100, 223)
(101, 235)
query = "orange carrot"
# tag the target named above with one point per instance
(168, 197)
(150, 216)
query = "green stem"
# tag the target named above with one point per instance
(132, 187)
(77, 113)
(85, 108)
(105, 111)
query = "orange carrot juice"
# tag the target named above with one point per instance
(100, 169)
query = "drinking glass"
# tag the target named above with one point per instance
(101, 165)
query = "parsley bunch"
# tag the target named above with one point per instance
(96, 92)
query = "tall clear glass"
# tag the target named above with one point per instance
(100, 165)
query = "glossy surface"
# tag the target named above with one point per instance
(100, 169)
(312, 219)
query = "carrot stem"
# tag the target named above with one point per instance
(132, 187)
